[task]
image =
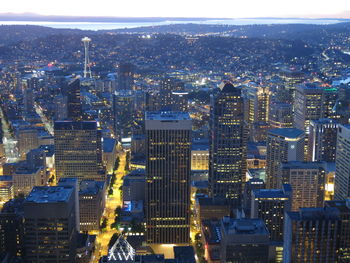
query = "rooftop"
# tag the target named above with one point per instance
(273, 193)
(315, 213)
(75, 125)
(251, 226)
(304, 165)
(49, 194)
(167, 115)
(287, 132)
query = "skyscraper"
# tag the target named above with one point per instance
(312, 103)
(281, 115)
(308, 182)
(50, 224)
(78, 150)
(125, 76)
(322, 140)
(342, 178)
(123, 113)
(172, 95)
(311, 235)
(227, 166)
(270, 205)
(168, 166)
(74, 108)
(283, 145)
(30, 85)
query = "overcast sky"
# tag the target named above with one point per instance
(182, 8)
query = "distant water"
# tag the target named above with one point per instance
(119, 25)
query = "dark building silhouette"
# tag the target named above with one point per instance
(74, 108)
(227, 164)
(125, 76)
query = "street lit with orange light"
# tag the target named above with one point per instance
(112, 202)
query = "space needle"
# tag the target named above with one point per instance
(87, 69)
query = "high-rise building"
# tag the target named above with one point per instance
(322, 140)
(123, 113)
(344, 231)
(244, 240)
(125, 76)
(28, 139)
(311, 103)
(30, 85)
(78, 150)
(12, 228)
(283, 145)
(50, 224)
(270, 205)
(281, 115)
(172, 95)
(227, 166)
(342, 178)
(179, 100)
(61, 107)
(252, 184)
(91, 204)
(311, 235)
(168, 166)
(74, 108)
(257, 102)
(308, 181)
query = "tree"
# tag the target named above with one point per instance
(104, 223)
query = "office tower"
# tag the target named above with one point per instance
(123, 113)
(311, 235)
(125, 76)
(50, 224)
(308, 182)
(61, 107)
(252, 184)
(28, 139)
(78, 150)
(342, 178)
(12, 228)
(172, 95)
(133, 187)
(257, 102)
(73, 183)
(283, 145)
(270, 205)
(322, 140)
(139, 105)
(74, 108)
(153, 102)
(343, 206)
(244, 240)
(29, 85)
(281, 115)
(168, 166)
(227, 166)
(91, 204)
(179, 100)
(311, 103)
(36, 158)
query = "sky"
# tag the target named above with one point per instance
(182, 8)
